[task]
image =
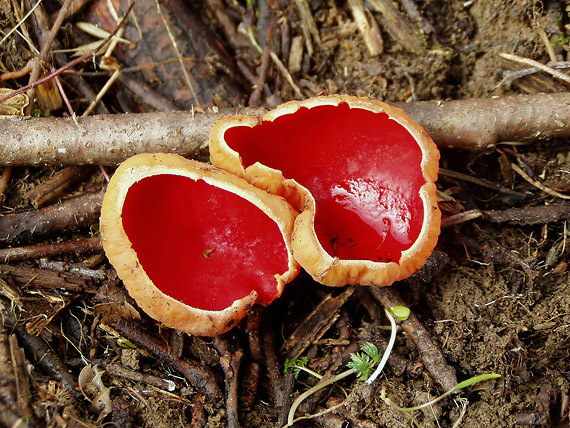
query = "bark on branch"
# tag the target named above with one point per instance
(109, 139)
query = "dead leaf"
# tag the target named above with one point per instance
(15, 105)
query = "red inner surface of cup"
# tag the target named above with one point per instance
(363, 169)
(203, 245)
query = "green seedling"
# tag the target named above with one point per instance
(365, 361)
(125, 344)
(361, 363)
(402, 313)
(460, 385)
(297, 365)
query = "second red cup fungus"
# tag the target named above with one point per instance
(195, 246)
(360, 172)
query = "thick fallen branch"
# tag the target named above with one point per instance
(479, 123)
(36, 251)
(69, 215)
(540, 214)
(109, 139)
(197, 375)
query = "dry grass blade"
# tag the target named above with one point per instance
(367, 26)
(309, 27)
(397, 26)
(187, 77)
(283, 70)
(15, 28)
(537, 184)
(555, 73)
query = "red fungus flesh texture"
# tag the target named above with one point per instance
(203, 245)
(363, 169)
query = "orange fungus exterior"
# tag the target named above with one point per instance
(195, 246)
(360, 173)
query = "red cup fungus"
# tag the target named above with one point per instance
(360, 172)
(195, 246)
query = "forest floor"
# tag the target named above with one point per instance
(496, 299)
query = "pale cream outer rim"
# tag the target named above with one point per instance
(170, 312)
(307, 250)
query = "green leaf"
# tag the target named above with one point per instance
(362, 363)
(400, 312)
(373, 351)
(125, 344)
(475, 380)
(365, 361)
(295, 365)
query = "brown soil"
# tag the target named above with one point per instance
(501, 304)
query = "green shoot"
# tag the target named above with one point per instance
(474, 380)
(296, 365)
(314, 389)
(394, 330)
(400, 312)
(361, 363)
(460, 385)
(364, 362)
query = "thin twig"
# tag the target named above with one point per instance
(20, 22)
(316, 324)
(4, 180)
(71, 64)
(36, 64)
(255, 96)
(230, 362)
(44, 52)
(308, 25)
(178, 55)
(48, 191)
(480, 182)
(511, 76)
(525, 216)
(48, 360)
(197, 375)
(461, 218)
(283, 70)
(115, 369)
(49, 280)
(547, 44)
(537, 184)
(555, 73)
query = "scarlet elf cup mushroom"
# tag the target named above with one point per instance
(360, 172)
(195, 246)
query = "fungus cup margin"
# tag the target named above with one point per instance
(118, 248)
(307, 249)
